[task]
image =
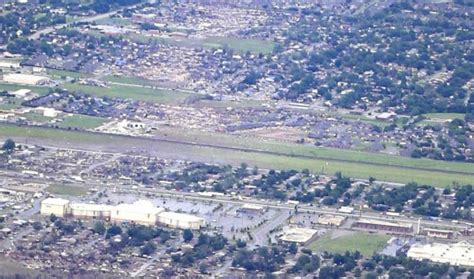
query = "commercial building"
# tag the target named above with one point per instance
(298, 235)
(346, 209)
(56, 206)
(437, 233)
(90, 211)
(26, 94)
(331, 220)
(180, 220)
(460, 254)
(377, 225)
(140, 212)
(26, 79)
(9, 65)
(251, 208)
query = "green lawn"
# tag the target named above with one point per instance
(129, 80)
(36, 117)
(131, 92)
(238, 44)
(365, 243)
(63, 73)
(444, 116)
(10, 103)
(82, 121)
(13, 87)
(116, 143)
(67, 190)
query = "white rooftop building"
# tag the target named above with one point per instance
(26, 79)
(298, 235)
(140, 212)
(56, 206)
(180, 220)
(461, 253)
(90, 210)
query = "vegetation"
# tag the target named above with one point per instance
(66, 190)
(365, 243)
(284, 161)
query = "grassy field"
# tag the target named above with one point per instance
(67, 190)
(63, 73)
(444, 116)
(115, 143)
(241, 45)
(238, 44)
(128, 80)
(13, 87)
(81, 121)
(365, 243)
(316, 152)
(131, 92)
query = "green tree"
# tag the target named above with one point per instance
(148, 249)
(99, 227)
(9, 146)
(187, 235)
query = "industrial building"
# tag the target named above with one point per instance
(251, 208)
(384, 226)
(298, 235)
(26, 79)
(56, 206)
(460, 254)
(140, 212)
(90, 211)
(180, 220)
(331, 220)
(26, 94)
(437, 233)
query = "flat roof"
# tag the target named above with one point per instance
(252, 206)
(461, 253)
(140, 206)
(296, 234)
(55, 201)
(383, 223)
(180, 216)
(91, 206)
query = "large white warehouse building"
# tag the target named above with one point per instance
(461, 253)
(180, 220)
(56, 206)
(26, 79)
(90, 210)
(140, 212)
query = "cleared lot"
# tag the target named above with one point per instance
(442, 176)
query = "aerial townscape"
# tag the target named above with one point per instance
(237, 139)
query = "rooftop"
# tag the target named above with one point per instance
(298, 235)
(55, 201)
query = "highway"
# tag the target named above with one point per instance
(316, 209)
(301, 208)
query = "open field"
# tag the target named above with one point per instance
(238, 44)
(81, 121)
(13, 87)
(227, 154)
(63, 73)
(66, 190)
(365, 243)
(241, 45)
(129, 80)
(444, 116)
(131, 92)
(311, 151)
